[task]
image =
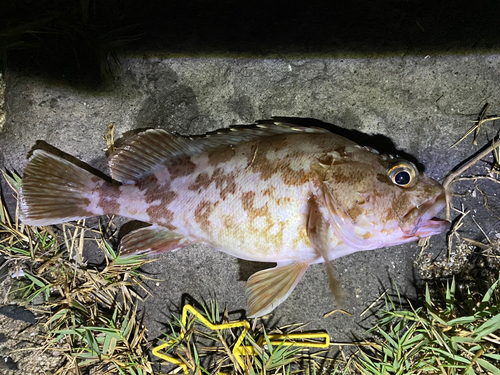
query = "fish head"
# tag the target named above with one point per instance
(377, 200)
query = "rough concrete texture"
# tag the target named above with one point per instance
(422, 104)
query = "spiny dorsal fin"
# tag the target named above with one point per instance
(152, 150)
(147, 153)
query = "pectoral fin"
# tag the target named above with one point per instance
(318, 229)
(268, 288)
(344, 227)
(152, 240)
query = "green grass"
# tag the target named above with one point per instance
(91, 316)
(458, 337)
(210, 351)
(89, 313)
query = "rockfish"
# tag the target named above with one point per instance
(271, 193)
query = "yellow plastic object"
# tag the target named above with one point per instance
(238, 349)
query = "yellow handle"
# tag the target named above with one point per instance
(294, 339)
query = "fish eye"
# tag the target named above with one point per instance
(403, 174)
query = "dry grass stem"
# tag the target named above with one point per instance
(336, 311)
(90, 314)
(478, 123)
(110, 138)
(453, 175)
(374, 303)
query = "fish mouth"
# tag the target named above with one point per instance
(427, 224)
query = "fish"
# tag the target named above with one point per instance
(271, 192)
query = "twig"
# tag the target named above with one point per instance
(477, 243)
(334, 311)
(480, 121)
(373, 304)
(475, 178)
(453, 231)
(451, 176)
(109, 137)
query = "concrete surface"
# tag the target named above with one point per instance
(82, 34)
(421, 104)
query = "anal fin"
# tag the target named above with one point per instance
(268, 288)
(151, 240)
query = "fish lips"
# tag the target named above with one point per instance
(427, 224)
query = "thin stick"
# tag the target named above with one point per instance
(450, 177)
(337, 310)
(477, 243)
(109, 137)
(480, 121)
(373, 304)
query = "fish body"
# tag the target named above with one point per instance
(274, 193)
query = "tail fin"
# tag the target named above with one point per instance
(54, 191)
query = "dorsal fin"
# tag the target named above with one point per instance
(150, 151)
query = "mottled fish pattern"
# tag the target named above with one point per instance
(271, 193)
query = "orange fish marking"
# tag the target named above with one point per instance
(267, 169)
(224, 182)
(302, 237)
(355, 211)
(202, 214)
(277, 238)
(269, 191)
(183, 167)
(220, 156)
(154, 191)
(108, 198)
(247, 203)
(283, 200)
(161, 215)
(229, 222)
(202, 181)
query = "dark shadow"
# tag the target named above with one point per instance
(130, 226)
(8, 198)
(379, 142)
(77, 42)
(18, 313)
(248, 268)
(42, 145)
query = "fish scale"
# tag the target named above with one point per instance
(271, 193)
